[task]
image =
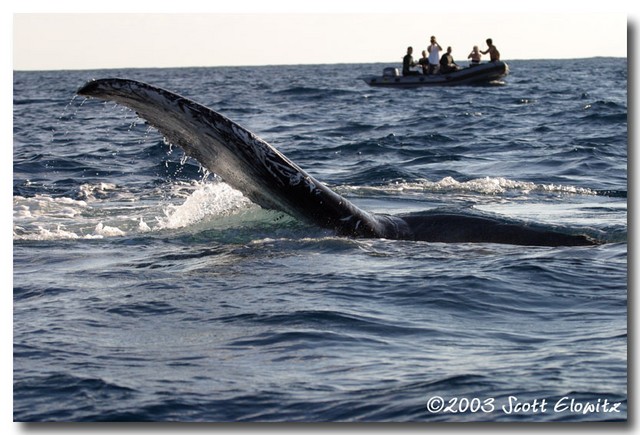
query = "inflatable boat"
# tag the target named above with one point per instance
(482, 74)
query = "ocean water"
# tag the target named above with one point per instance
(146, 289)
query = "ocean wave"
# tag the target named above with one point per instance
(346, 322)
(484, 186)
(604, 112)
(68, 390)
(312, 92)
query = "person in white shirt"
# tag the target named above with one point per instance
(434, 50)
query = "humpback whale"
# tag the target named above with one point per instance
(271, 180)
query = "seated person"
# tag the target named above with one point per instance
(408, 63)
(424, 62)
(475, 56)
(447, 64)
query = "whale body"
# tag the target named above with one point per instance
(271, 180)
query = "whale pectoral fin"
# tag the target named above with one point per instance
(240, 158)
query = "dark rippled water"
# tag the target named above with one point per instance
(146, 289)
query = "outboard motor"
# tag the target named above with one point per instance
(390, 72)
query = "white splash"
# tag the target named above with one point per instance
(207, 201)
(106, 210)
(103, 230)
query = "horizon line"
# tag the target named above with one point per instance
(285, 64)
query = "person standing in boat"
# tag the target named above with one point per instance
(447, 63)
(408, 63)
(475, 56)
(492, 50)
(434, 50)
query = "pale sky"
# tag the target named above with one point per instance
(66, 40)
